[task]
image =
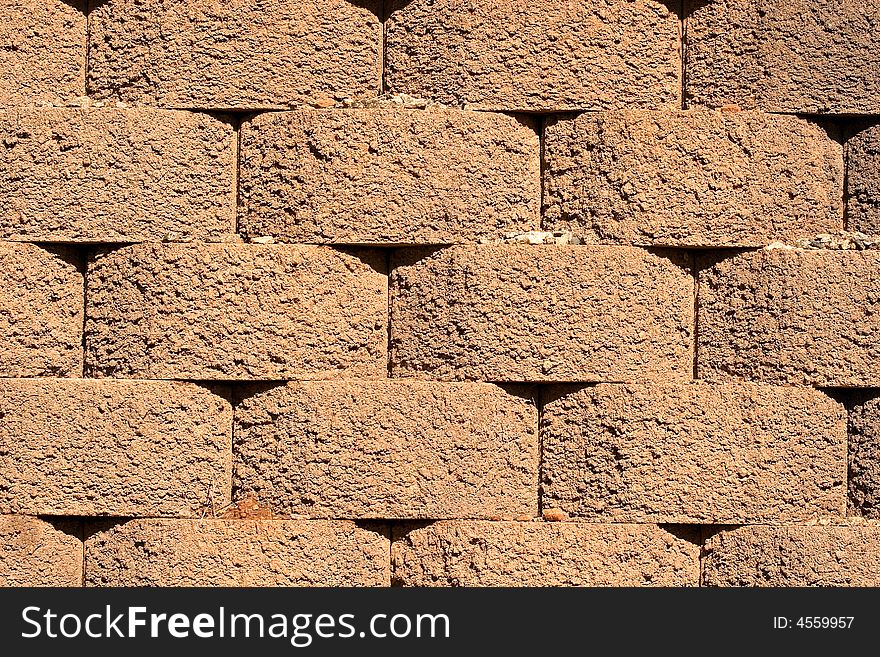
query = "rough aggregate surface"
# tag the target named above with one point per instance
(793, 56)
(389, 449)
(694, 453)
(461, 553)
(534, 56)
(115, 175)
(541, 313)
(236, 54)
(80, 447)
(695, 178)
(237, 311)
(383, 176)
(161, 552)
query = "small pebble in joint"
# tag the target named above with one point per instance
(84, 102)
(840, 241)
(558, 237)
(388, 100)
(554, 515)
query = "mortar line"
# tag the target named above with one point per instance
(682, 51)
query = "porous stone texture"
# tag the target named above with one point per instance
(41, 312)
(238, 553)
(111, 175)
(864, 455)
(237, 311)
(784, 55)
(537, 56)
(461, 553)
(234, 55)
(388, 176)
(863, 181)
(793, 556)
(42, 51)
(790, 316)
(389, 449)
(542, 313)
(79, 447)
(694, 453)
(696, 178)
(34, 552)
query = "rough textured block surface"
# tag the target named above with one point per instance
(863, 181)
(127, 448)
(224, 311)
(109, 175)
(691, 178)
(386, 175)
(541, 554)
(791, 316)
(238, 553)
(864, 455)
(542, 313)
(237, 54)
(694, 453)
(540, 56)
(41, 312)
(34, 552)
(794, 556)
(389, 449)
(784, 55)
(42, 51)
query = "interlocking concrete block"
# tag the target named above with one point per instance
(389, 449)
(696, 178)
(694, 453)
(461, 553)
(115, 175)
(544, 56)
(238, 553)
(542, 313)
(237, 311)
(389, 176)
(234, 55)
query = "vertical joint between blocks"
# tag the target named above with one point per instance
(383, 45)
(87, 8)
(389, 259)
(84, 265)
(682, 52)
(236, 184)
(695, 272)
(539, 407)
(541, 126)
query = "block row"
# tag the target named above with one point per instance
(396, 449)
(777, 56)
(159, 552)
(402, 176)
(498, 313)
